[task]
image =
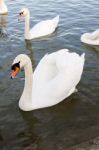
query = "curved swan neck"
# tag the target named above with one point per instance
(27, 24)
(28, 77)
(25, 102)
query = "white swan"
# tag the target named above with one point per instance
(54, 79)
(91, 38)
(42, 28)
(3, 7)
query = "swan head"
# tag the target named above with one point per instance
(19, 62)
(23, 13)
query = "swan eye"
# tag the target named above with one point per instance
(21, 13)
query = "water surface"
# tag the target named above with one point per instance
(75, 119)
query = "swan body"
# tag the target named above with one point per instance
(54, 79)
(91, 38)
(3, 7)
(42, 28)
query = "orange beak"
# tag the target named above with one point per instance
(14, 72)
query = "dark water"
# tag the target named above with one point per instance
(74, 120)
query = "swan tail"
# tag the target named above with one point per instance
(82, 59)
(83, 56)
(56, 20)
(95, 35)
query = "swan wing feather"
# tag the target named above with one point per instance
(44, 27)
(56, 77)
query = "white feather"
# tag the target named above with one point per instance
(3, 7)
(54, 79)
(91, 38)
(42, 28)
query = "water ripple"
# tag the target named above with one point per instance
(72, 120)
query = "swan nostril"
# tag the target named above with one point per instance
(11, 77)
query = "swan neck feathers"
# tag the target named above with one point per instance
(26, 98)
(27, 24)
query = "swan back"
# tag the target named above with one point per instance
(44, 28)
(56, 77)
(91, 38)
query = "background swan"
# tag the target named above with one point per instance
(42, 28)
(91, 38)
(54, 79)
(3, 7)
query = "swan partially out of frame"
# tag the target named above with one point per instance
(91, 38)
(3, 8)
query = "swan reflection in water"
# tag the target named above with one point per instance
(41, 125)
(92, 47)
(28, 45)
(3, 26)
